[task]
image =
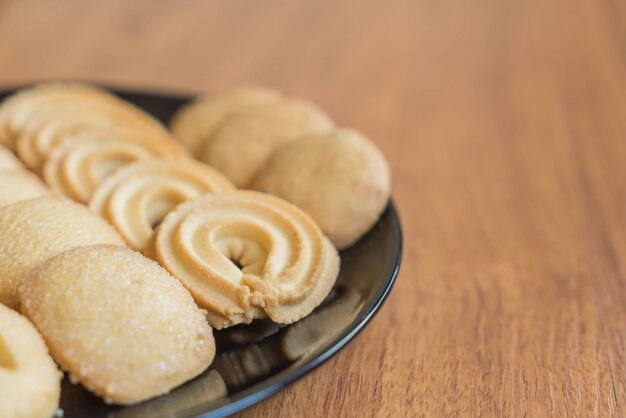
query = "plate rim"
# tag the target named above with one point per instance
(262, 390)
(286, 377)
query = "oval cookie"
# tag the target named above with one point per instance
(30, 383)
(118, 322)
(247, 139)
(194, 124)
(34, 230)
(341, 179)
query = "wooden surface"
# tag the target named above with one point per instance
(505, 127)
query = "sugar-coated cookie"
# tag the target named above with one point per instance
(247, 139)
(117, 322)
(246, 255)
(194, 124)
(34, 230)
(8, 161)
(30, 383)
(16, 185)
(76, 167)
(339, 178)
(137, 197)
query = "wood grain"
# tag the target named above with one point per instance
(505, 126)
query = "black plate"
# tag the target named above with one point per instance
(255, 361)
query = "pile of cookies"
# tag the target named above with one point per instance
(290, 148)
(124, 251)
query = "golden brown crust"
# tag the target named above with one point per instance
(194, 124)
(246, 140)
(30, 383)
(34, 230)
(288, 265)
(76, 167)
(118, 322)
(17, 185)
(138, 196)
(341, 179)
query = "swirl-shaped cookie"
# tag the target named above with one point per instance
(30, 383)
(339, 178)
(35, 143)
(246, 255)
(76, 167)
(34, 230)
(194, 124)
(16, 185)
(8, 161)
(137, 197)
(117, 322)
(51, 100)
(247, 139)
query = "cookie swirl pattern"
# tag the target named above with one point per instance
(76, 168)
(246, 255)
(51, 101)
(37, 141)
(137, 197)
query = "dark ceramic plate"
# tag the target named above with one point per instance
(257, 360)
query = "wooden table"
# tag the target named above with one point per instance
(505, 127)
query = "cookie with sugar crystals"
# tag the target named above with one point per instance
(30, 383)
(34, 230)
(194, 124)
(118, 322)
(339, 178)
(246, 140)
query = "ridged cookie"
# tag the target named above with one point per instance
(340, 178)
(246, 255)
(30, 383)
(38, 140)
(34, 230)
(194, 124)
(137, 197)
(30, 108)
(118, 322)
(18, 110)
(247, 139)
(76, 167)
(19, 184)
